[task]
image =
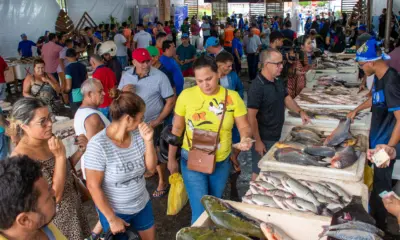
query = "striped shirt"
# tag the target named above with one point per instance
(123, 184)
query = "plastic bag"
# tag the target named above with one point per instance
(177, 196)
(368, 177)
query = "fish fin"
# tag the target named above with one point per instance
(325, 229)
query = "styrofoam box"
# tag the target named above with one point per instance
(298, 225)
(353, 173)
(358, 124)
(21, 70)
(9, 75)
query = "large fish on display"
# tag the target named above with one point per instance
(322, 151)
(340, 134)
(345, 158)
(208, 233)
(295, 156)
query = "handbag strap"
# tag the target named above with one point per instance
(72, 167)
(220, 124)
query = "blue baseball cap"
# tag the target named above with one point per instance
(185, 35)
(362, 27)
(211, 42)
(367, 52)
(23, 35)
(97, 35)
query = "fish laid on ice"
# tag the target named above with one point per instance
(300, 204)
(300, 190)
(256, 190)
(260, 200)
(322, 151)
(335, 188)
(320, 188)
(341, 133)
(225, 216)
(280, 201)
(209, 233)
(358, 225)
(262, 185)
(351, 234)
(275, 174)
(295, 156)
(344, 158)
(270, 179)
(279, 193)
(324, 199)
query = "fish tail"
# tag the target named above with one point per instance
(325, 229)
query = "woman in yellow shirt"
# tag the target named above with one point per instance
(201, 107)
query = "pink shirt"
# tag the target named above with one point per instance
(394, 61)
(50, 56)
(195, 29)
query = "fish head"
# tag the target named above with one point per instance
(212, 203)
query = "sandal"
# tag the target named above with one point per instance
(160, 193)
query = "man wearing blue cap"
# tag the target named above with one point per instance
(213, 47)
(363, 36)
(25, 46)
(385, 123)
(185, 55)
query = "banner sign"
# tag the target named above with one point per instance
(147, 14)
(181, 12)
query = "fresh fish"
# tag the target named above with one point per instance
(291, 144)
(270, 179)
(334, 207)
(326, 212)
(262, 200)
(320, 188)
(294, 156)
(280, 201)
(322, 151)
(262, 185)
(341, 133)
(225, 216)
(279, 193)
(362, 143)
(307, 129)
(277, 233)
(209, 233)
(307, 142)
(324, 199)
(335, 188)
(256, 190)
(344, 158)
(302, 205)
(278, 175)
(359, 226)
(308, 134)
(301, 191)
(351, 234)
(248, 199)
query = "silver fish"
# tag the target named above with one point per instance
(280, 201)
(335, 188)
(359, 226)
(263, 200)
(256, 190)
(275, 174)
(301, 191)
(352, 234)
(341, 133)
(279, 193)
(334, 207)
(302, 205)
(270, 179)
(262, 185)
(324, 199)
(316, 187)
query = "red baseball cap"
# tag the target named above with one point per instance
(141, 55)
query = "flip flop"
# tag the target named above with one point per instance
(160, 193)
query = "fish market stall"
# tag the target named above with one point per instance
(299, 226)
(21, 67)
(346, 74)
(331, 97)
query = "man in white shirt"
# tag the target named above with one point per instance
(252, 47)
(141, 39)
(206, 29)
(122, 53)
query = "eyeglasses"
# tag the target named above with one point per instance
(362, 64)
(45, 121)
(278, 64)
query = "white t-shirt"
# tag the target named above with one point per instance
(142, 38)
(206, 32)
(120, 41)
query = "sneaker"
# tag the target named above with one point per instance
(67, 106)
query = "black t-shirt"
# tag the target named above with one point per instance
(77, 72)
(269, 98)
(385, 101)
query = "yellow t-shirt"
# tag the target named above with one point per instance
(205, 112)
(54, 230)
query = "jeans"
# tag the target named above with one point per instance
(252, 61)
(198, 184)
(4, 146)
(382, 182)
(123, 60)
(3, 92)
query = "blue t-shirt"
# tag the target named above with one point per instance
(26, 48)
(77, 72)
(172, 66)
(185, 53)
(241, 23)
(385, 101)
(237, 44)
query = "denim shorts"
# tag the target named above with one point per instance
(140, 221)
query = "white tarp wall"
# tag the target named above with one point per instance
(377, 10)
(32, 17)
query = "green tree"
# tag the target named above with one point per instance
(304, 4)
(321, 4)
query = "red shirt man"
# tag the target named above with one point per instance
(107, 77)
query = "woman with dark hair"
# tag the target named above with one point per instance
(297, 77)
(307, 26)
(212, 108)
(115, 162)
(344, 18)
(41, 85)
(30, 120)
(336, 39)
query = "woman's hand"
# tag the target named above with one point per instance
(56, 147)
(391, 151)
(118, 225)
(82, 142)
(245, 144)
(146, 132)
